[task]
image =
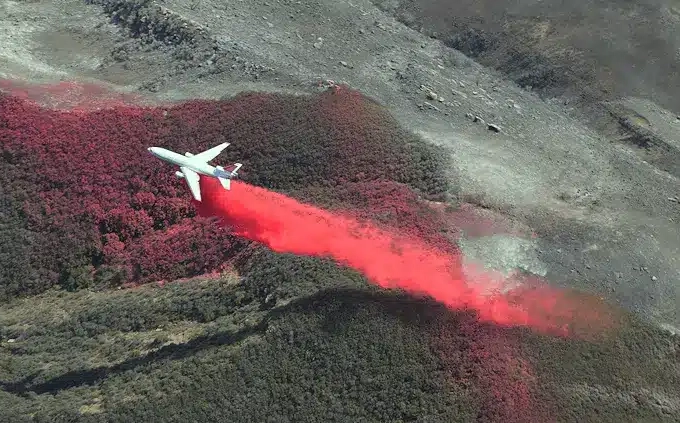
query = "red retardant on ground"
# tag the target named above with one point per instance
(84, 203)
(385, 258)
(70, 95)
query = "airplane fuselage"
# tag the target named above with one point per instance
(183, 161)
(191, 166)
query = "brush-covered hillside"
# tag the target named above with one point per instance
(120, 304)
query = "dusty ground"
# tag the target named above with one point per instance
(606, 215)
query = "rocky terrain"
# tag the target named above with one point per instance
(586, 166)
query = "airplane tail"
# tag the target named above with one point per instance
(226, 182)
(237, 166)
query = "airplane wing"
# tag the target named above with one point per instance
(192, 179)
(210, 154)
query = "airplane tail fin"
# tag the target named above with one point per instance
(237, 166)
(226, 182)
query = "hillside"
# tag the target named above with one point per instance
(204, 349)
(268, 334)
(609, 49)
(121, 299)
(613, 63)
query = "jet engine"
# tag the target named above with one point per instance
(179, 174)
(187, 154)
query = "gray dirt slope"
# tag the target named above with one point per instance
(606, 213)
(599, 57)
(615, 47)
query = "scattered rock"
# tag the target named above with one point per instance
(328, 84)
(318, 43)
(493, 128)
(654, 278)
(459, 93)
(432, 95)
(345, 64)
(674, 199)
(431, 106)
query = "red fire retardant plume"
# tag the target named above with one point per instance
(386, 259)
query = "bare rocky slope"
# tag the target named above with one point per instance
(603, 58)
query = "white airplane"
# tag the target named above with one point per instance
(191, 165)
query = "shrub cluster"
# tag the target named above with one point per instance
(156, 354)
(86, 205)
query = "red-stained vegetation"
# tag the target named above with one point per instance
(86, 205)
